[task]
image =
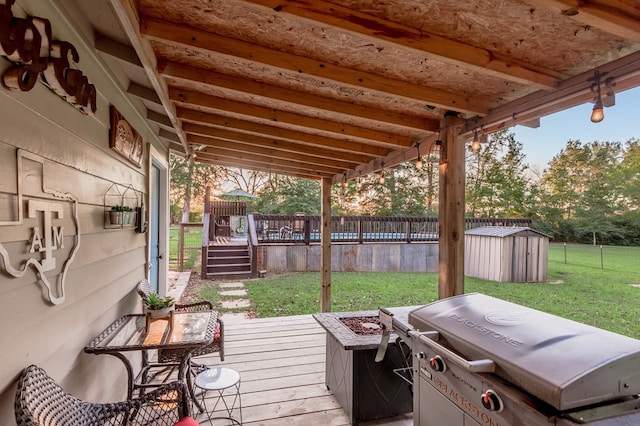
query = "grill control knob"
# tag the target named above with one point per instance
(421, 355)
(491, 401)
(437, 364)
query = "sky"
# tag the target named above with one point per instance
(621, 123)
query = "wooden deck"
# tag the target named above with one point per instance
(281, 362)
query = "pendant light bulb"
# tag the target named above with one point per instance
(597, 115)
(475, 145)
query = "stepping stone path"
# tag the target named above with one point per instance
(233, 289)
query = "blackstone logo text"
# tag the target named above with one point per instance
(486, 331)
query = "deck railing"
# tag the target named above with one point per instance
(302, 229)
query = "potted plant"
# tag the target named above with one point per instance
(116, 214)
(127, 215)
(158, 306)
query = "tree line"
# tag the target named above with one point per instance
(589, 192)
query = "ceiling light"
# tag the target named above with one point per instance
(475, 145)
(381, 179)
(597, 115)
(419, 160)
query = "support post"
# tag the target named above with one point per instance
(325, 243)
(451, 210)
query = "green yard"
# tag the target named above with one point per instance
(579, 290)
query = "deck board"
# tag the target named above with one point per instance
(282, 367)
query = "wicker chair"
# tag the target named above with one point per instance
(175, 355)
(41, 401)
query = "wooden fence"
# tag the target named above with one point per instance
(303, 229)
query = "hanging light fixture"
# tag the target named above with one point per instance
(475, 145)
(597, 115)
(419, 160)
(381, 178)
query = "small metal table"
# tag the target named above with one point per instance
(220, 379)
(190, 331)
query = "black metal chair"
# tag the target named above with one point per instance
(175, 355)
(41, 401)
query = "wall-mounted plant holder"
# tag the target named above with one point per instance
(121, 207)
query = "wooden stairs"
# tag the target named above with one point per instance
(228, 261)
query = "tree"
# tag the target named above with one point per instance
(497, 184)
(289, 195)
(582, 191)
(189, 180)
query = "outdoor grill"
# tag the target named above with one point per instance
(481, 360)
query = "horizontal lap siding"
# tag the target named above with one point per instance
(100, 281)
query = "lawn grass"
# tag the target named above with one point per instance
(192, 243)
(601, 297)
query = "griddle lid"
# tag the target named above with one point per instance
(562, 362)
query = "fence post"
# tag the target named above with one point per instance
(181, 248)
(565, 253)
(601, 258)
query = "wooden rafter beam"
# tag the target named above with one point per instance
(144, 93)
(117, 50)
(127, 17)
(273, 143)
(182, 36)
(204, 118)
(573, 91)
(450, 51)
(612, 16)
(179, 72)
(228, 162)
(189, 98)
(427, 146)
(273, 164)
(213, 144)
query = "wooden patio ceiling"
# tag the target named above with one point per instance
(341, 88)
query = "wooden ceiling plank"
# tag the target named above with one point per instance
(305, 138)
(451, 51)
(212, 78)
(274, 163)
(250, 139)
(212, 144)
(614, 17)
(185, 97)
(176, 34)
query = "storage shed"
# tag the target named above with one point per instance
(506, 254)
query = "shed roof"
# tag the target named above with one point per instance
(501, 231)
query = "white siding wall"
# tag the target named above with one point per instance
(100, 282)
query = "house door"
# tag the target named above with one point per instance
(155, 252)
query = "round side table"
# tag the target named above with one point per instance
(220, 379)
